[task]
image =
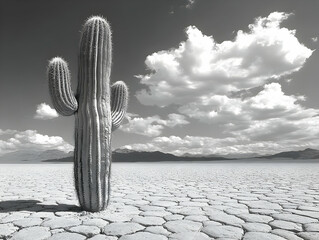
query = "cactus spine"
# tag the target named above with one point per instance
(98, 110)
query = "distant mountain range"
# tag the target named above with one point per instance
(123, 155)
(308, 153)
(235, 155)
(134, 156)
(33, 156)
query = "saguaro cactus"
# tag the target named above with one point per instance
(98, 110)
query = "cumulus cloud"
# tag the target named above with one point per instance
(233, 86)
(190, 3)
(31, 139)
(200, 66)
(267, 122)
(151, 126)
(177, 145)
(174, 120)
(7, 131)
(44, 112)
(270, 115)
(270, 102)
(314, 39)
(143, 126)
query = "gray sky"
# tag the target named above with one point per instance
(255, 93)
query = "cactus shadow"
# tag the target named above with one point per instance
(35, 206)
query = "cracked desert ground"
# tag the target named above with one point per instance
(156, 201)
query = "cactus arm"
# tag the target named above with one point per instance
(60, 88)
(119, 98)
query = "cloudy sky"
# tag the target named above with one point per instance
(205, 77)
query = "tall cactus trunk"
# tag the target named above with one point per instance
(98, 110)
(92, 158)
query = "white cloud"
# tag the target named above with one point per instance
(314, 39)
(31, 139)
(143, 126)
(7, 132)
(271, 102)
(177, 145)
(151, 126)
(269, 115)
(174, 120)
(190, 3)
(268, 122)
(44, 112)
(233, 88)
(200, 67)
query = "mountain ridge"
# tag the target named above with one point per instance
(126, 155)
(307, 153)
(33, 155)
(156, 156)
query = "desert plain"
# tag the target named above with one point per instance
(242, 199)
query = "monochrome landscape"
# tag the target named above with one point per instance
(159, 120)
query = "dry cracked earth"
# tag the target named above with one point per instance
(158, 201)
